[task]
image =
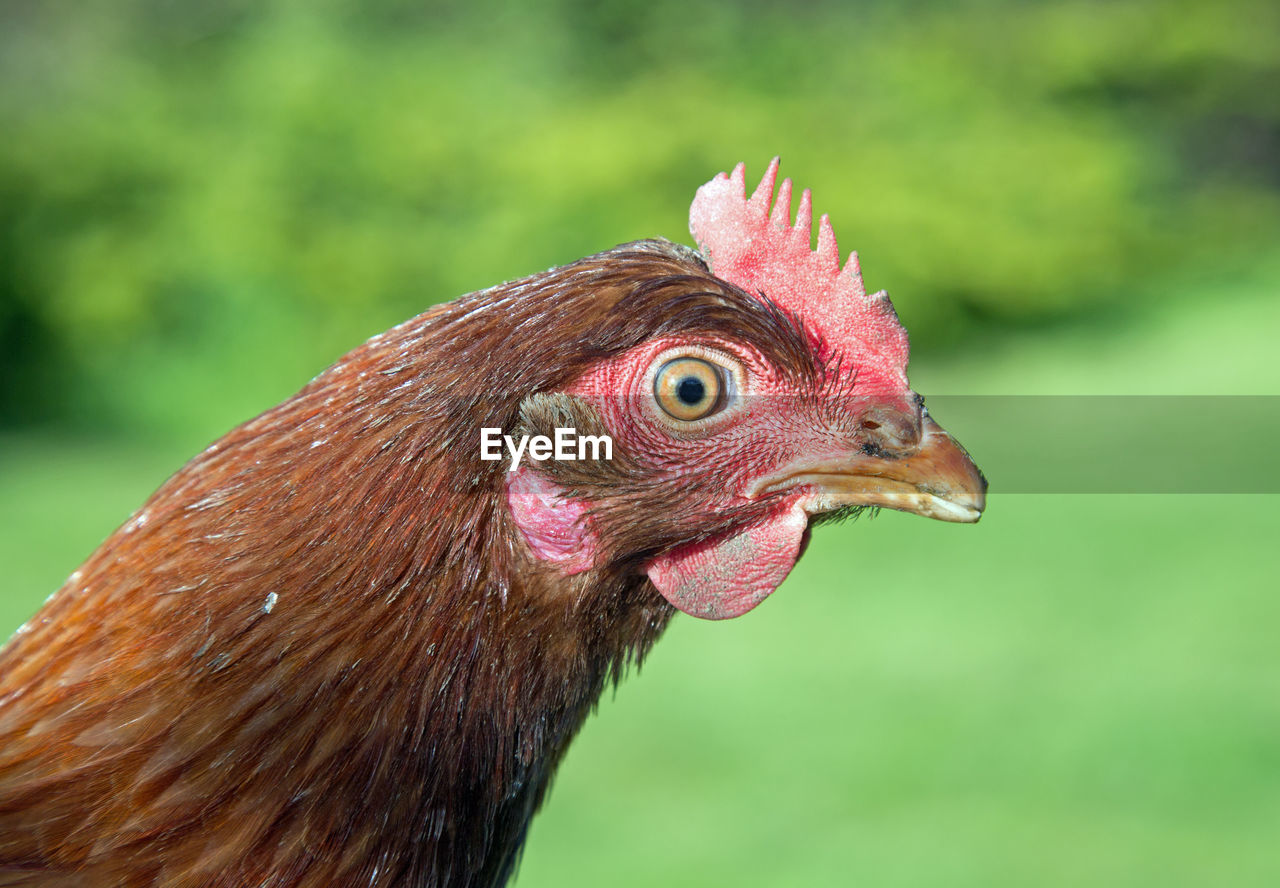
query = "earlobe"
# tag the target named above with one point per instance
(727, 577)
(553, 525)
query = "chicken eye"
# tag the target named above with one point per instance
(689, 389)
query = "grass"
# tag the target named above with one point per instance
(1079, 690)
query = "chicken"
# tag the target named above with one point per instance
(345, 645)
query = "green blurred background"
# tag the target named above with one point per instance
(202, 205)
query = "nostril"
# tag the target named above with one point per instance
(889, 431)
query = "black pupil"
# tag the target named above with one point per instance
(691, 391)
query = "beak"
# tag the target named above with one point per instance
(937, 480)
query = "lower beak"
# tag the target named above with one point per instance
(937, 480)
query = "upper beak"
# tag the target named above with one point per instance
(937, 479)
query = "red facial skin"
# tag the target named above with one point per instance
(765, 426)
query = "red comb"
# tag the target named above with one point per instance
(759, 251)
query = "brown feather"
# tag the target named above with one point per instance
(320, 654)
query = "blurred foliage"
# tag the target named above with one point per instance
(205, 204)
